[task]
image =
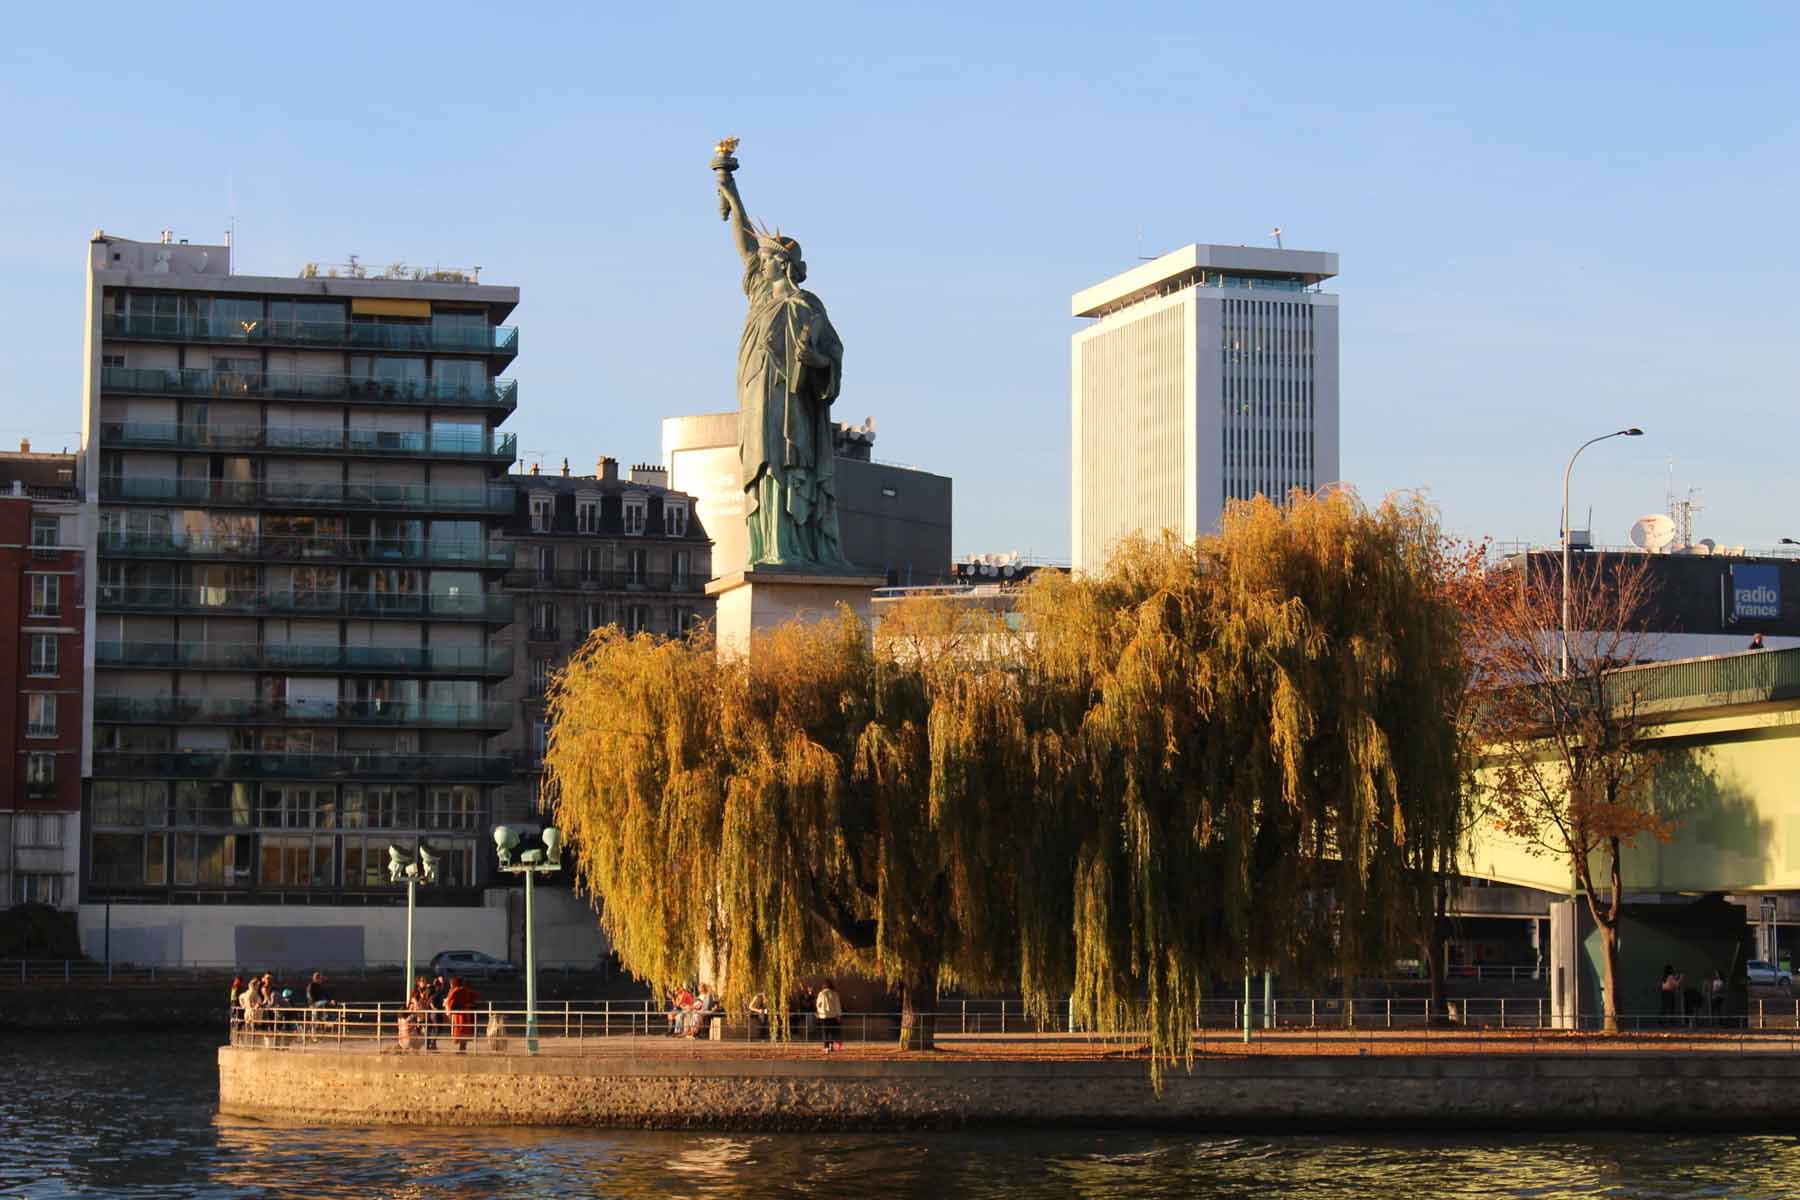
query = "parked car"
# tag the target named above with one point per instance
(472, 964)
(1766, 974)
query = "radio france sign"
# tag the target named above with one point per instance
(1755, 592)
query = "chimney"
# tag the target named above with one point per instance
(608, 469)
(565, 468)
(534, 468)
(24, 445)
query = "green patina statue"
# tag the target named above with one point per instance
(790, 367)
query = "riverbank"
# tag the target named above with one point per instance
(645, 1086)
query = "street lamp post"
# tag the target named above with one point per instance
(413, 872)
(1634, 431)
(530, 864)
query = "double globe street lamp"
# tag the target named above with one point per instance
(403, 867)
(529, 863)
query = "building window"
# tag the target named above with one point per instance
(543, 621)
(587, 514)
(543, 509)
(452, 807)
(674, 518)
(46, 597)
(637, 567)
(680, 567)
(546, 564)
(593, 565)
(32, 887)
(38, 831)
(637, 618)
(43, 654)
(40, 768)
(46, 531)
(682, 619)
(636, 511)
(541, 671)
(591, 618)
(40, 719)
(540, 740)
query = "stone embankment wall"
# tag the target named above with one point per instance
(1629, 1091)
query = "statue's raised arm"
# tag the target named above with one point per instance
(731, 205)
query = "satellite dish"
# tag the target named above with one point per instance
(1653, 533)
(1007, 570)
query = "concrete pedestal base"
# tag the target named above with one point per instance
(754, 600)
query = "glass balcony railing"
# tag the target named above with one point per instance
(318, 548)
(187, 709)
(278, 764)
(495, 340)
(482, 606)
(605, 579)
(292, 385)
(433, 660)
(294, 493)
(160, 435)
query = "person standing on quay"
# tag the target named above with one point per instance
(831, 1011)
(434, 1016)
(459, 1002)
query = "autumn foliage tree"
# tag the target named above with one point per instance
(1566, 767)
(1205, 758)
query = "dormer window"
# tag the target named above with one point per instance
(637, 512)
(543, 510)
(674, 517)
(587, 514)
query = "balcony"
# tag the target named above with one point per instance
(167, 710)
(500, 394)
(319, 549)
(285, 493)
(604, 580)
(493, 608)
(495, 341)
(437, 444)
(275, 764)
(287, 656)
(543, 633)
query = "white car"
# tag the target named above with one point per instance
(472, 964)
(1766, 974)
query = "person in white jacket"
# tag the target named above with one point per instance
(829, 1009)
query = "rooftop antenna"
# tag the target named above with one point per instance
(231, 228)
(1142, 257)
(1276, 234)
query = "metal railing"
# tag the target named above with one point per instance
(435, 660)
(312, 548)
(359, 335)
(294, 385)
(294, 764)
(167, 709)
(454, 443)
(290, 493)
(492, 607)
(575, 1027)
(604, 579)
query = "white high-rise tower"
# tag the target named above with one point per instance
(1210, 374)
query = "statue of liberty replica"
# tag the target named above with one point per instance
(790, 368)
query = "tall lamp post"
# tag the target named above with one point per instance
(402, 867)
(1634, 431)
(530, 864)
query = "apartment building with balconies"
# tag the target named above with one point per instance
(42, 518)
(588, 551)
(294, 601)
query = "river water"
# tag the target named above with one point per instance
(118, 1115)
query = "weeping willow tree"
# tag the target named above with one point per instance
(1236, 753)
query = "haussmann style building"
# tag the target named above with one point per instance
(291, 604)
(1208, 375)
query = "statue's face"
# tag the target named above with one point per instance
(772, 266)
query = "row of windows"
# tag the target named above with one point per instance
(134, 803)
(38, 887)
(635, 565)
(635, 514)
(269, 860)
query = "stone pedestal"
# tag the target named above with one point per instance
(760, 598)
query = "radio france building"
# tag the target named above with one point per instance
(1208, 375)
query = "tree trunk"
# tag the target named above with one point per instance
(1434, 945)
(1609, 944)
(918, 1014)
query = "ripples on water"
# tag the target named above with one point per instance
(105, 1115)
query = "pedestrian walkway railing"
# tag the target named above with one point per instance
(1298, 1026)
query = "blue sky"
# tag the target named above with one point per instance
(1553, 220)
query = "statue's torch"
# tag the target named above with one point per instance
(725, 164)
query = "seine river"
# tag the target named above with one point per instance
(111, 1115)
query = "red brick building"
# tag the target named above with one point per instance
(42, 666)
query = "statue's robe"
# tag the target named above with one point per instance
(784, 428)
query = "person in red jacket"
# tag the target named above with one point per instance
(459, 1002)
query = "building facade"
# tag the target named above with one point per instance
(1209, 375)
(293, 596)
(893, 521)
(588, 551)
(42, 523)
